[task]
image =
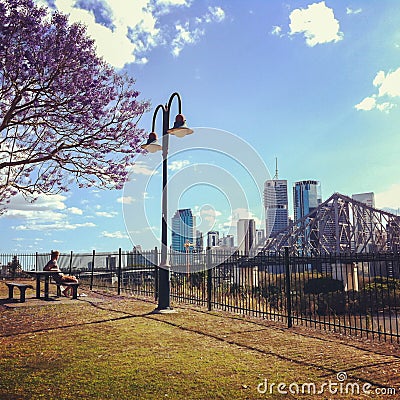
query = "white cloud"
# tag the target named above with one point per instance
(169, 3)
(135, 27)
(317, 22)
(388, 85)
(367, 104)
(115, 235)
(47, 213)
(385, 107)
(140, 168)
(277, 31)
(47, 208)
(241, 213)
(126, 200)
(211, 212)
(379, 79)
(389, 198)
(42, 203)
(107, 40)
(62, 225)
(106, 214)
(216, 14)
(185, 36)
(75, 210)
(178, 164)
(210, 215)
(350, 11)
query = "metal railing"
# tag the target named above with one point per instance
(351, 294)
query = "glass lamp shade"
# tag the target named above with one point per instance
(152, 147)
(180, 128)
(152, 144)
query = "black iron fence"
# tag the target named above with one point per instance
(352, 294)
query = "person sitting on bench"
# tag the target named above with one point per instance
(60, 278)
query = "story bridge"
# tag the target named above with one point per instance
(340, 225)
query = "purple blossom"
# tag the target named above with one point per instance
(64, 112)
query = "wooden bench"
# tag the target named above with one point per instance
(73, 285)
(22, 289)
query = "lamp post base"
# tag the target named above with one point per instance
(164, 311)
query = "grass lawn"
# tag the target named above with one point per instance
(112, 347)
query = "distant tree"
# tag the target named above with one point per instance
(323, 285)
(65, 115)
(14, 266)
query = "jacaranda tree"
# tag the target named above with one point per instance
(66, 116)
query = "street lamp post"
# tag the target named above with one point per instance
(179, 129)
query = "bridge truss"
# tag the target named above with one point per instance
(340, 225)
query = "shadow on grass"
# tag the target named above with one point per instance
(294, 331)
(329, 371)
(164, 319)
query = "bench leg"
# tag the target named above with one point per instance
(58, 291)
(38, 288)
(11, 292)
(46, 287)
(74, 292)
(22, 295)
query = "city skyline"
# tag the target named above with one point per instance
(247, 236)
(313, 83)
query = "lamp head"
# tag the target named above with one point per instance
(180, 128)
(152, 144)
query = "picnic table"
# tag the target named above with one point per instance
(39, 275)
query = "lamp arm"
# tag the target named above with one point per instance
(176, 94)
(153, 125)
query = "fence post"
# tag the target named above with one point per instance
(209, 279)
(119, 270)
(70, 264)
(155, 273)
(288, 289)
(92, 271)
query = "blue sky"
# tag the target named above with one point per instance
(315, 84)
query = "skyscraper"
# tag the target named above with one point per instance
(260, 237)
(306, 197)
(276, 206)
(212, 239)
(199, 241)
(227, 241)
(366, 198)
(246, 235)
(183, 229)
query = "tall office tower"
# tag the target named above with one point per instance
(306, 197)
(366, 198)
(183, 228)
(227, 241)
(276, 205)
(199, 242)
(212, 239)
(111, 263)
(260, 237)
(246, 235)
